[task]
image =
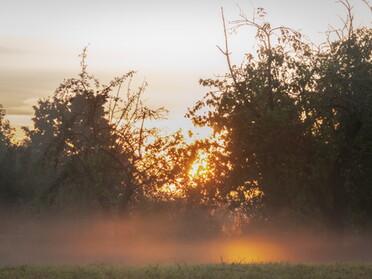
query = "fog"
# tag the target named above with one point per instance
(165, 240)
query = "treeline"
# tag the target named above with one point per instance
(292, 138)
(89, 148)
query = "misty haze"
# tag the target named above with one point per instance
(176, 139)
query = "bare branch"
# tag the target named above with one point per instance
(226, 52)
(368, 5)
(347, 23)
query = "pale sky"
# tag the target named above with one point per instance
(172, 44)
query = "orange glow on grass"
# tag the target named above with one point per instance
(247, 250)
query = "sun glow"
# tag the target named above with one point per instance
(200, 167)
(171, 190)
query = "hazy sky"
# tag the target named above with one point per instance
(170, 43)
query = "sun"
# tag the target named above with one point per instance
(200, 167)
(199, 170)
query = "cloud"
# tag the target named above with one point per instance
(9, 50)
(19, 89)
(19, 120)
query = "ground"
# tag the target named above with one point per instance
(215, 271)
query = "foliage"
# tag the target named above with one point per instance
(295, 124)
(292, 136)
(342, 120)
(9, 191)
(95, 144)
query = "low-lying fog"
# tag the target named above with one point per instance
(58, 241)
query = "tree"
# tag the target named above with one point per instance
(294, 121)
(95, 144)
(9, 190)
(343, 111)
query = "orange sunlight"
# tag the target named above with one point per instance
(199, 170)
(200, 167)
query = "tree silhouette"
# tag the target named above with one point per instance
(96, 142)
(294, 121)
(9, 190)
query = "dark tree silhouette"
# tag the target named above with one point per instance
(9, 190)
(295, 125)
(96, 143)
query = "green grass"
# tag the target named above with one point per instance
(225, 271)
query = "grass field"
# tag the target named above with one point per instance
(225, 271)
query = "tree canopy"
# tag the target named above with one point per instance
(292, 137)
(94, 143)
(295, 123)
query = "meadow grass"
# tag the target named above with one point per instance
(225, 271)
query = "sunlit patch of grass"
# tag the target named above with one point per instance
(226, 271)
